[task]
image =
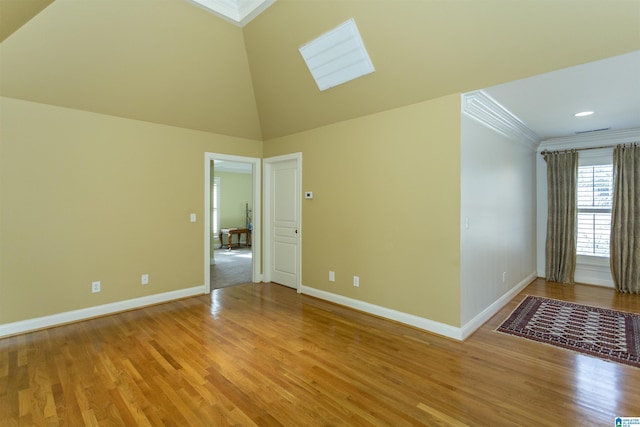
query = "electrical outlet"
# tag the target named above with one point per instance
(95, 287)
(144, 279)
(504, 277)
(356, 281)
(332, 276)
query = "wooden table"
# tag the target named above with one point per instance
(230, 232)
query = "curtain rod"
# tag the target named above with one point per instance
(543, 152)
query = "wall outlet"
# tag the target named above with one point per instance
(95, 287)
(332, 276)
(144, 279)
(504, 277)
(356, 281)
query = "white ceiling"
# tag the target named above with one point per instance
(234, 167)
(547, 103)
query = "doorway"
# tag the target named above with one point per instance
(232, 220)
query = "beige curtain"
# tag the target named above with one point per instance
(625, 219)
(562, 178)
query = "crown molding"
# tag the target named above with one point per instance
(481, 107)
(605, 138)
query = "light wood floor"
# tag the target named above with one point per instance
(260, 354)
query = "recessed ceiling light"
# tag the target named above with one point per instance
(583, 114)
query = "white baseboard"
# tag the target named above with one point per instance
(428, 325)
(471, 326)
(100, 310)
(398, 316)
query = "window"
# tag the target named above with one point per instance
(215, 210)
(595, 197)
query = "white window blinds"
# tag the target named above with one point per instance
(595, 196)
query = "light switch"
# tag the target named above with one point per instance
(193, 217)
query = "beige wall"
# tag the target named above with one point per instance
(86, 197)
(386, 207)
(424, 49)
(165, 61)
(236, 189)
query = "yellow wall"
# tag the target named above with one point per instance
(236, 189)
(86, 197)
(424, 49)
(166, 62)
(386, 207)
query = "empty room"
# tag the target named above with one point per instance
(433, 206)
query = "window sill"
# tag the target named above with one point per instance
(593, 270)
(597, 261)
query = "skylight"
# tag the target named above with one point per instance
(337, 56)
(239, 12)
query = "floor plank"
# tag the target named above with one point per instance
(263, 355)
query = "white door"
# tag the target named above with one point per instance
(283, 202)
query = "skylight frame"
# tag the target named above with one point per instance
(238, 12)
(337, 56)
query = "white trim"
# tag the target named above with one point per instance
(472, 325)
(593, 270)
(237, 12)
(91, 312)
(487, 111)
(398, 316)
(428, 325)
(267, 215)
(256, 233)
(590, 140)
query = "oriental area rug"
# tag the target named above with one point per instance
(599, 332)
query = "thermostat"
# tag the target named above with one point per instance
(308, 194)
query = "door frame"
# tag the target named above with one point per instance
(256, 232)
(268, 256)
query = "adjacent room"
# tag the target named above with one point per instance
(311, 212)
(231, 224)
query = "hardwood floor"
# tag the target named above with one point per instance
(261, 354)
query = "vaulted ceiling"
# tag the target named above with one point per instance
(166, 61)
(15, 13)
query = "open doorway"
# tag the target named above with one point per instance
(232, 223)
(232, 216)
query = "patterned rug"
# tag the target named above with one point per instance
(608, 334)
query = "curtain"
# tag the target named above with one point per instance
(625, 219)
(562, 179)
